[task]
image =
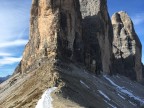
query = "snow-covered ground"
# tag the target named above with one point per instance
(125, 91)
(46, 99)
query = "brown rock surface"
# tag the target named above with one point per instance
(23, 91)
(97, 35)
(126, 47)
(55, 30)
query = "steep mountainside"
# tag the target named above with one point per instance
(76, 88)
(126, 47)
(97, 35)
(68, 59)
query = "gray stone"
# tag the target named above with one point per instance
(97, 34)
(126, 47)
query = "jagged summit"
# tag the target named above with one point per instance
(126, 47)
(73, 46)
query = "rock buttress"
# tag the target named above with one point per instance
(97, 35)
(55, 31)
(126, 47)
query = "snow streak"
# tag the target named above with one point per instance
(46, 99)
(84, 84)
(125, 91)
(104, 95)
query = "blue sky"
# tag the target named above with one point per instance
(14, 29)
(135, 9)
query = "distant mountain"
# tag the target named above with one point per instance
(2, 79)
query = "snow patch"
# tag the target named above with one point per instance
(85, 72)
(114, 84)
(46, 99)
(84, 84)
(93, 76)
(121, 96)
(110, 104)
(132, 103)
(124, 91)
(117, 76)
(104, 95)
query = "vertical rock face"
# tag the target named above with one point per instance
(55, 30)
(97, 35)
(126, 47)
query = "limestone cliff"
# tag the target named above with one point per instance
(97, 35)
(55, 30)
(126, 47)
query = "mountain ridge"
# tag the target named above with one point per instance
(2, 79)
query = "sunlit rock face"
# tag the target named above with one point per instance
(126, 47)
(55, 31)
(97, 35)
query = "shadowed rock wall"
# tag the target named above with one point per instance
(97, 35)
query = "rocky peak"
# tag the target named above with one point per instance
(55, 31)
(97, 35)
(126, 47)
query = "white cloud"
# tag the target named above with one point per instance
(5, 54)
(9, 60)
(14, 19)
(138, 18)
(14, 31)
(19, 42)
